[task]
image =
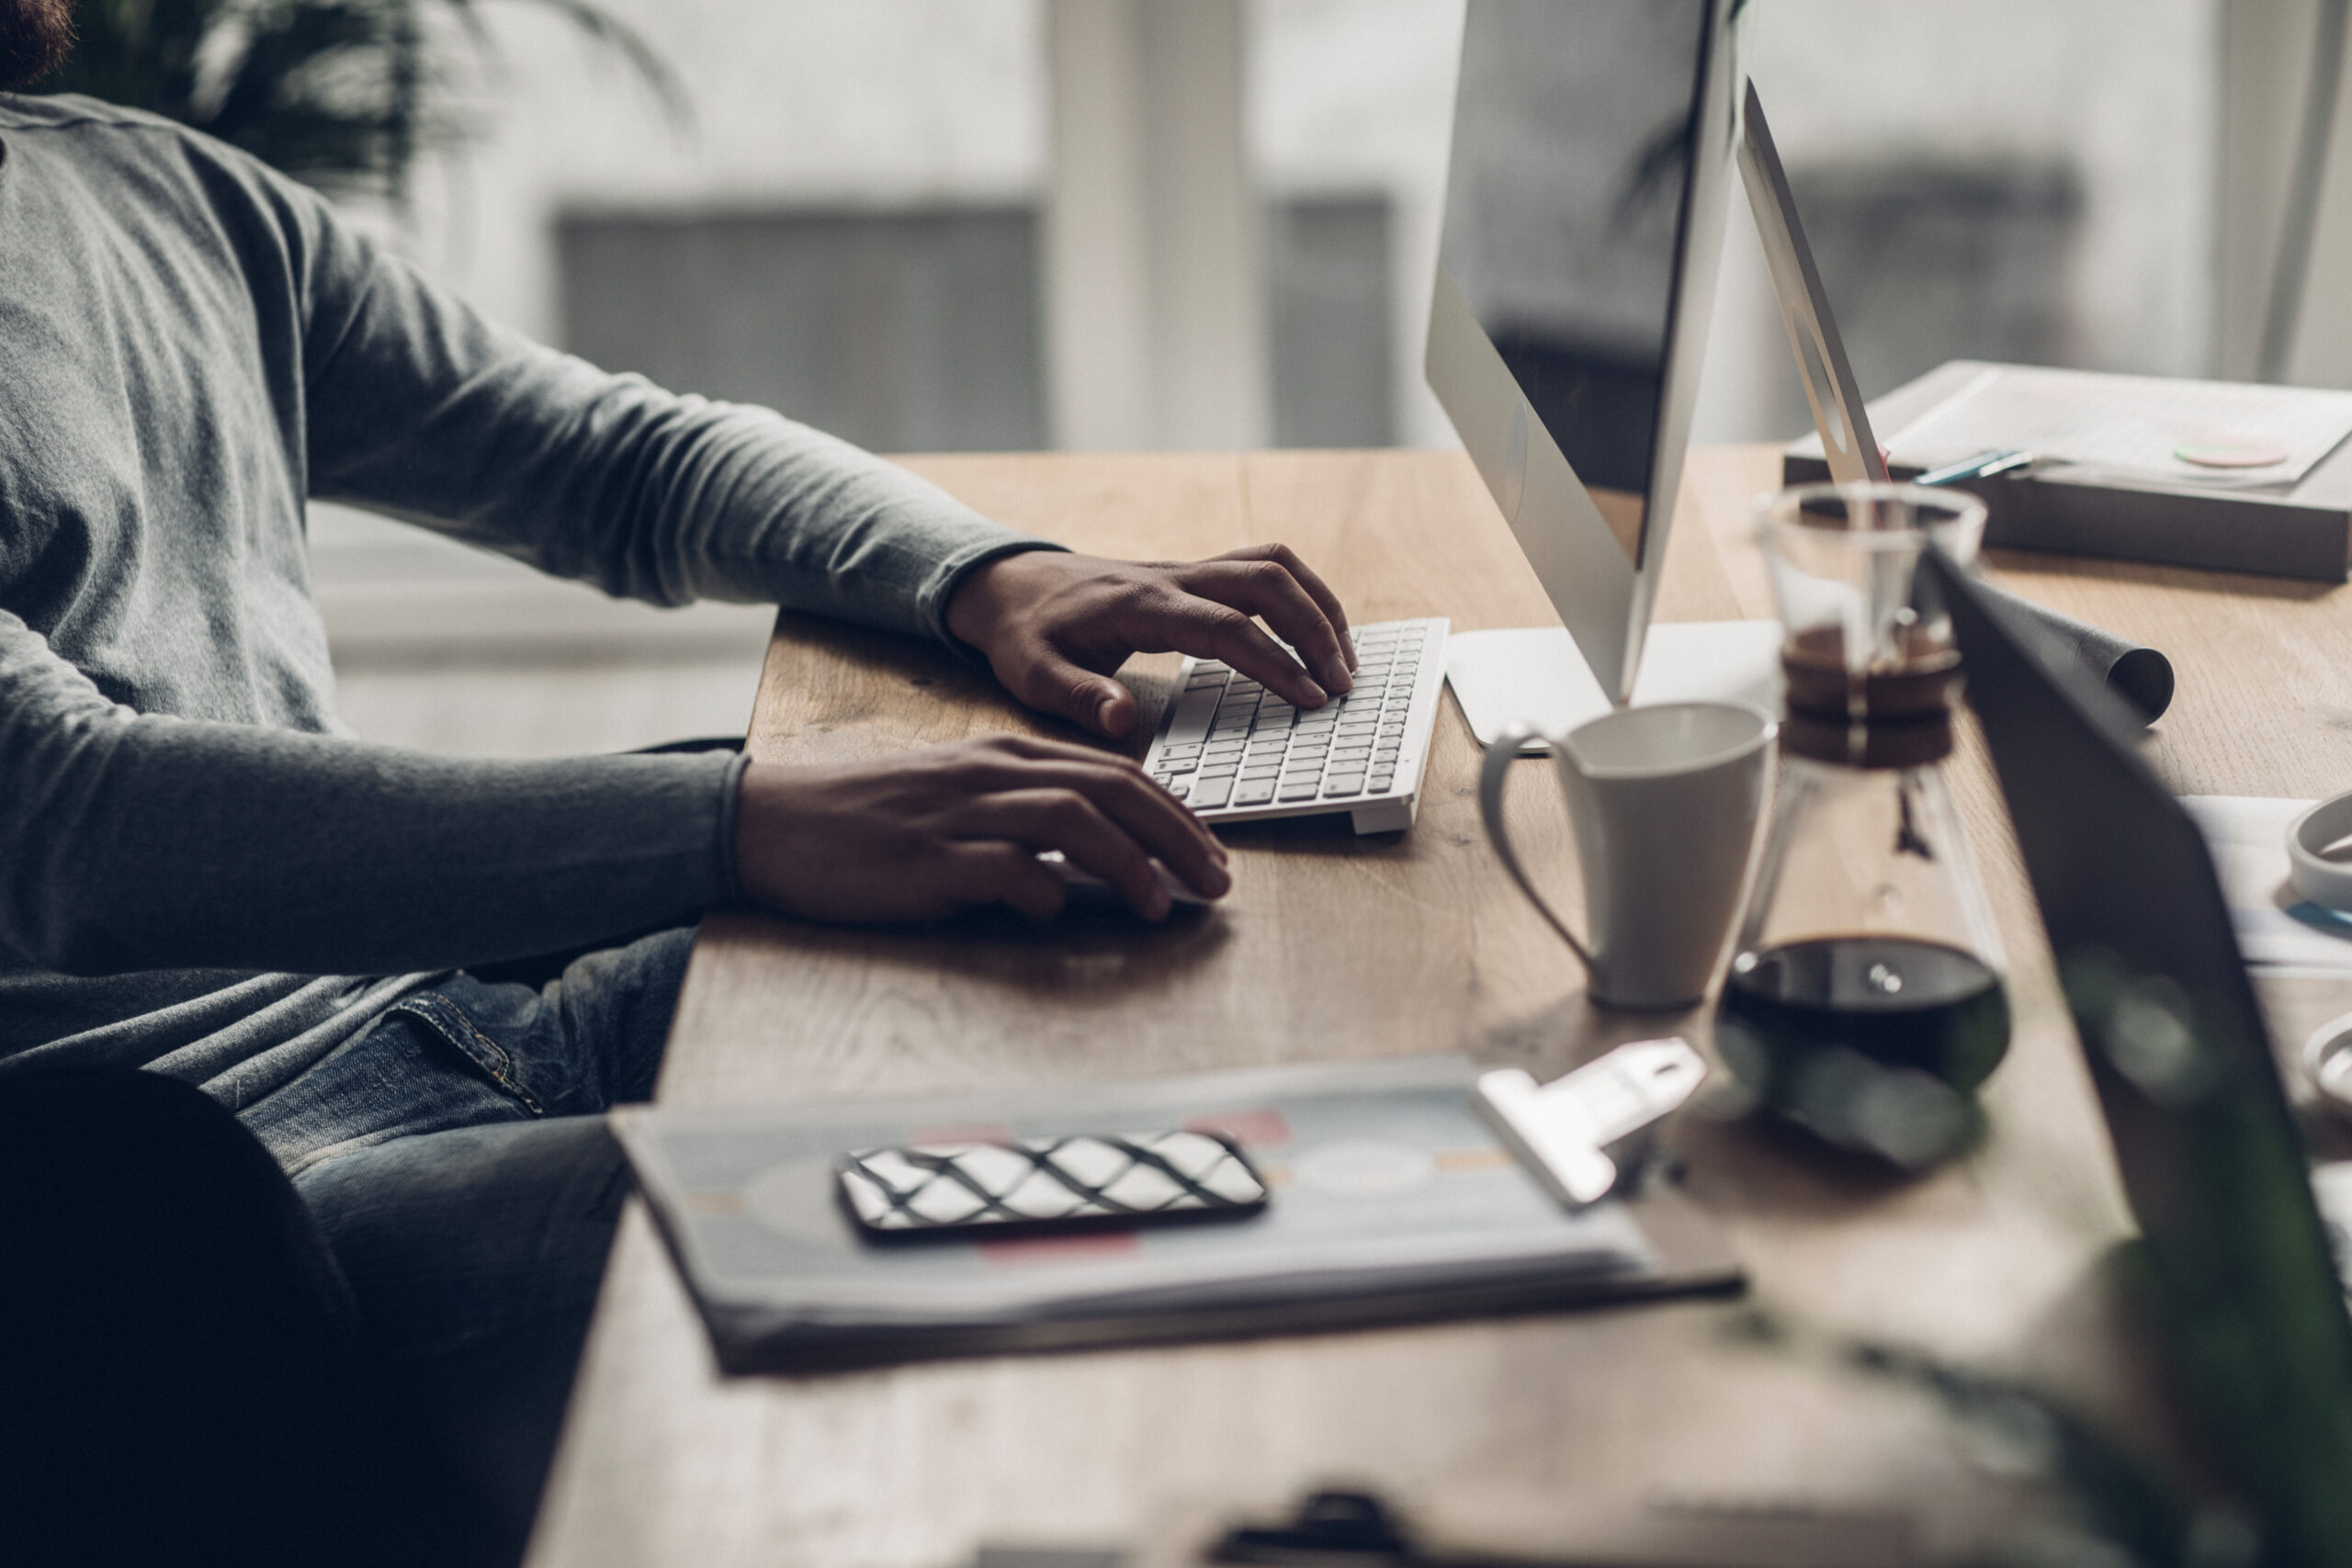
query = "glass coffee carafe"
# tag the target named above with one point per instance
(1865, 998)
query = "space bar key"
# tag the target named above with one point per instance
(1194, 716)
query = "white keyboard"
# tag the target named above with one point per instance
(1235, 751)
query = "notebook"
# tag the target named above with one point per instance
(1391, 1200)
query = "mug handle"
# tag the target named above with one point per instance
(1500, 757)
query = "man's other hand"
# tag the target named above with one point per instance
(922, 834)
(1056, 627)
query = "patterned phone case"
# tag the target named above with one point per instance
(1082, 1180)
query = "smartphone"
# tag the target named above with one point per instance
(1031, 1186)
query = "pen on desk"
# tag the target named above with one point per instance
(1983, 465)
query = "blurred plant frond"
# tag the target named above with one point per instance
(342, 94)
(2113, 1510)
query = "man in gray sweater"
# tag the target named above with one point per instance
(204, 874)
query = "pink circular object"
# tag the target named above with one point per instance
(2232, 454)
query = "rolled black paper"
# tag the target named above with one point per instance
(2140, 675)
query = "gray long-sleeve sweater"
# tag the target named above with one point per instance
(201, 870)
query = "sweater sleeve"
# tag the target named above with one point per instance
(140, 841)
(419, 406)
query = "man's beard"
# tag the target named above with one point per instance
(34, 38)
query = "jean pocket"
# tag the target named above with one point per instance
(452, 1024)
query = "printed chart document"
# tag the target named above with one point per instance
(1390, 1200)
(2110, 428)
(2276, 927)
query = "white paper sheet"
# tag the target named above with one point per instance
(2128, 427)
(2275, 925)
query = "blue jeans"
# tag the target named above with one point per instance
(456, 1157)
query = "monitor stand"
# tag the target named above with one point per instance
(1535, 675)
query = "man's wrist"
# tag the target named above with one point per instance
(976, 604)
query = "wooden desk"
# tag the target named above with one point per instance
(1331, 947)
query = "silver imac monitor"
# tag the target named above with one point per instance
(1584, 213)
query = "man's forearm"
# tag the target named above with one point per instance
(138, 844)
(419, 406)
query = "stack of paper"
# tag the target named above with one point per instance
(2130, 429)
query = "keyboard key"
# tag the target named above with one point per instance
(1211, 794)
(1381, 783)
(1193, 713)
(1297, 791)
(1254, 792)
(1181, 765)
(1342, 783)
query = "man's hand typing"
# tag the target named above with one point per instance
(1055, 627)
(922, 834)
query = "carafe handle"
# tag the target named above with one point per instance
(1500, 757)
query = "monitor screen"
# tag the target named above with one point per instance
(1574, 140)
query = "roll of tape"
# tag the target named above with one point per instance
(2328, 1061)
(2324, 882)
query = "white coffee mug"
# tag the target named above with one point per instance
(1665, 803)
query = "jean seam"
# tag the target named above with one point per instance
(501, 1069)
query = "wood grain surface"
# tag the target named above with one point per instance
(1331, 947)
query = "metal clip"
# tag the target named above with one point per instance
(1560, 1130)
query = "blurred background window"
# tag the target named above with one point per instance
(903, 331)
(1125, 224)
